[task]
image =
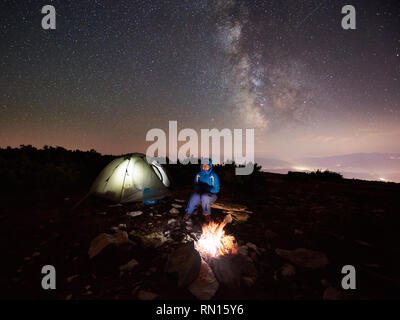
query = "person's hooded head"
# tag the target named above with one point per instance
(206, 166)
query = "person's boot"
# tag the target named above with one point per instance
(207, 217)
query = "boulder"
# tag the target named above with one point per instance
(185, 261)
(129, 266)
(104, 239)
(205, 286)
(230, 269)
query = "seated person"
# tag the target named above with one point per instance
(206, 188)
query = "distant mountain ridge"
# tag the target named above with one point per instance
(366, 166)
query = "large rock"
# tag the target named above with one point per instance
(153, 240)
(304, 258)
(205, 286)
(186, 261)
(129, 265)
(104, 240)
(232, 268)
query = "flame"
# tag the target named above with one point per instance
(211, 242)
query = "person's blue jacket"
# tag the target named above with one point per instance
(208, 177)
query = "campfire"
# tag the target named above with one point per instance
(212, 260)
(213, 242)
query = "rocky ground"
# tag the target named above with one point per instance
(296, 234)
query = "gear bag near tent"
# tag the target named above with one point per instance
(131, 178)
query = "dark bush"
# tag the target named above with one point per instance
(326, 175)
(315, 175)
(27, 169)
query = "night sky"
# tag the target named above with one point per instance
(112, 70)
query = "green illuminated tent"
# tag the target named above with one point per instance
(132, 178)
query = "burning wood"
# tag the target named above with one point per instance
(213, 242)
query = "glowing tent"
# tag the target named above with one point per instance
(132, 178)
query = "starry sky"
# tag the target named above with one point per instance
(112, 70)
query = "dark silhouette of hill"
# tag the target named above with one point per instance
(351, 221)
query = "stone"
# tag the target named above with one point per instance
(153, 240)
(253, 256)
(171, 221)
(147, 295)
(243, 250)
(288, 271)
(205, 285)
(185, 261)
(129, 265)
(135, 290)
(304, 258)
(298, 232)
(134, 213)
(174, 211)
(176, 206)
(248, 281)
(103, 240)
(364, 243)
(253, 247)
(115, 205)
(230, 269)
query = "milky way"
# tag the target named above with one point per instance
(111, 71)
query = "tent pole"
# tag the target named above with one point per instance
(123, 182)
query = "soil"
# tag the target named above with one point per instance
(352, 222)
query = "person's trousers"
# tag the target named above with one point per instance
(206, 199)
